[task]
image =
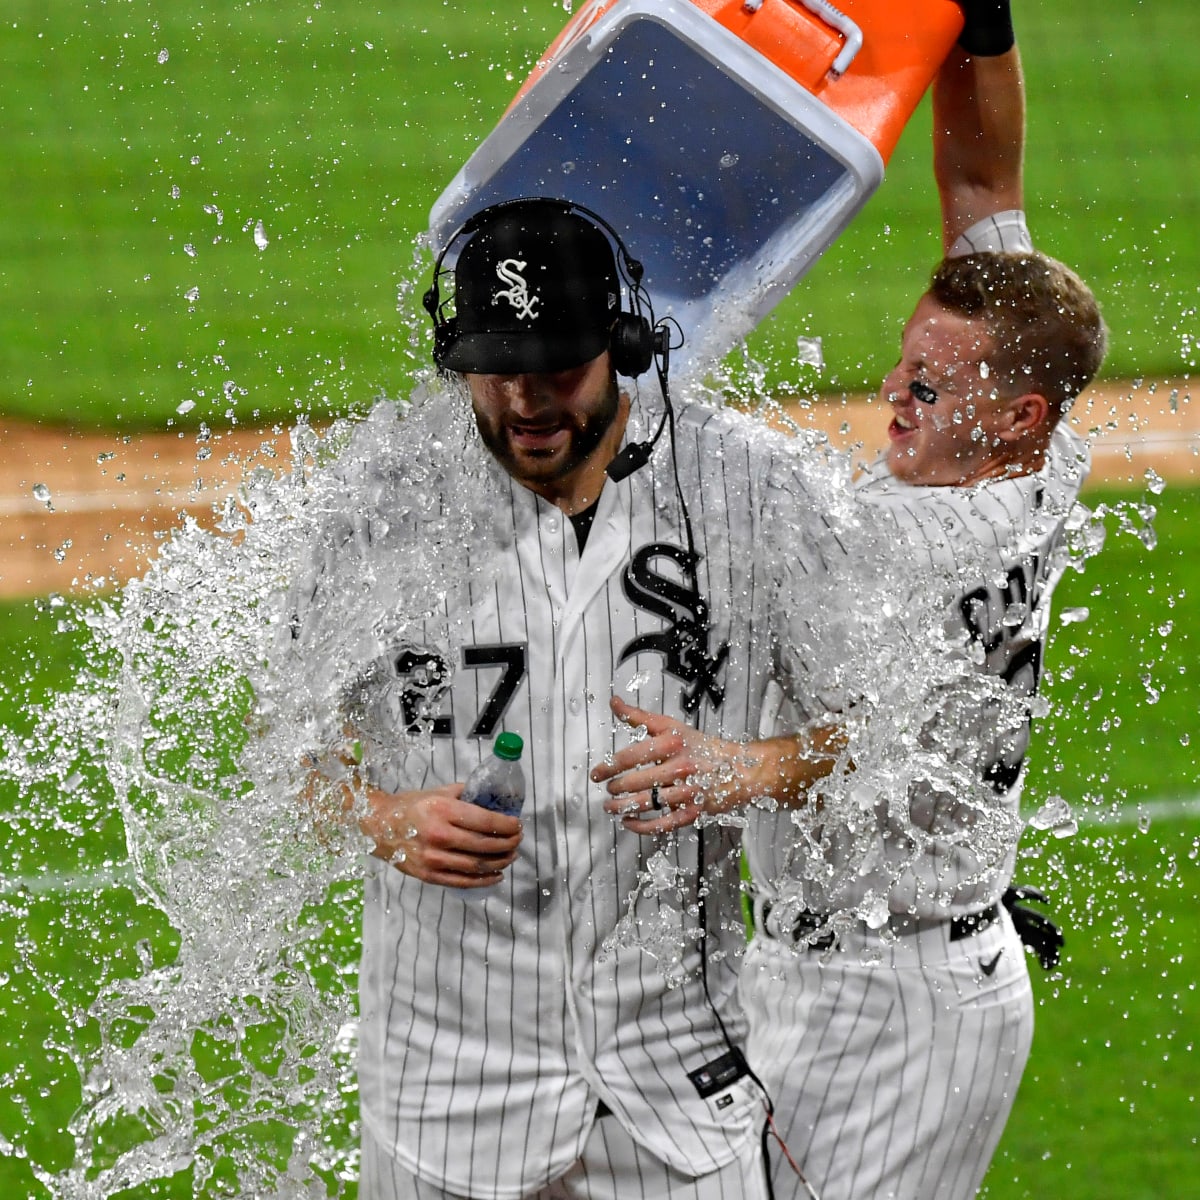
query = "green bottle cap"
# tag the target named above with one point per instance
(509, 746)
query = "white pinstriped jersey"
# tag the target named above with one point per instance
(490, 1029)
(999, 548)
(894, 1063)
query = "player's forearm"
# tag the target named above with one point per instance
(330, 787)
(673, 774)
(978, 138)
(784, 768)
(336, 793)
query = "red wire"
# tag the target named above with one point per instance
(787, 1154)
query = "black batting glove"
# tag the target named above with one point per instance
(987, 28)
(1036, 931)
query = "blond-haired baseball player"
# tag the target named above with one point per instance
(893, 1048)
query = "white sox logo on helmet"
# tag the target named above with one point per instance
(517, 292)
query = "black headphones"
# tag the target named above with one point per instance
(633, 340)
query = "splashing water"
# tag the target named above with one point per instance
(223, 1053)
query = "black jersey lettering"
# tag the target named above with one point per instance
(684, 643)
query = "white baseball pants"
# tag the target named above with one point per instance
(893, 1066)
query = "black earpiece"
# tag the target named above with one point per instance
(444, 333)
(632, 344)
(636, 455)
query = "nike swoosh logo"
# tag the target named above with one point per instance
(989, 968)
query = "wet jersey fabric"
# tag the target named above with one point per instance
(996, 552)
(894, 1055)
(492, 1029)
(893, 1065)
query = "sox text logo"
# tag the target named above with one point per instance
(990, 613)
(684, 643)
(517, 292)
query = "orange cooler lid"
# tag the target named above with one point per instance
(724, 175)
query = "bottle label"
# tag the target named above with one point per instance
(495, 802)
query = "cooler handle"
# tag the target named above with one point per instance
(838, 20)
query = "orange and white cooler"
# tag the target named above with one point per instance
(728, 141)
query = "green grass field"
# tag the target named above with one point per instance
(142, 144)
(1108, 1105)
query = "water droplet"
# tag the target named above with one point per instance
(260, 237)
(1154, 481)
(185, 406)
(1055, 815)
(1073, 616)
(1014, 615)
(163, 55)
(809, 352)
(875, 911)
(41, 493)
(192, 294)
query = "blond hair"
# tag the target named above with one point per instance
(1045, 323)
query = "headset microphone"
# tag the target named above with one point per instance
(636, 455)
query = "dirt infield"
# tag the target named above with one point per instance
(80, 510)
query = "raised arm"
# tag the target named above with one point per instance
(979, 123)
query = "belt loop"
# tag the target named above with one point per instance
(760, 908)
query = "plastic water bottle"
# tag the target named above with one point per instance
(498, 783)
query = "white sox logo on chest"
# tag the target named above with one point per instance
(517, 292)
(684, 643)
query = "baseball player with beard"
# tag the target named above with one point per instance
(893, 1048)
(510, 1044)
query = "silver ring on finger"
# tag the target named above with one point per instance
(655, 798)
